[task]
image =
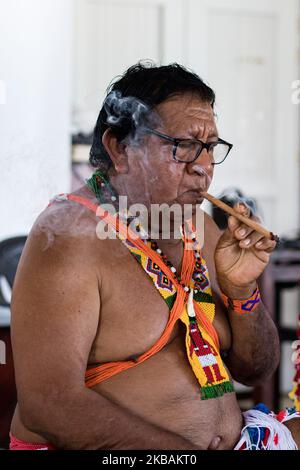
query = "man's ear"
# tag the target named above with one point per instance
(116, 151)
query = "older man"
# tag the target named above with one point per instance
(131, 342)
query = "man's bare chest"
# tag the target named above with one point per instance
(133, 314)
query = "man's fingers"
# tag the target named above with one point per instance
(257, 241)
(242, 208)
(265, 245)
(238, 228)
(250, 240)
(246, 235)
(243, 231)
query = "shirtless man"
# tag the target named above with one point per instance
(79, 301)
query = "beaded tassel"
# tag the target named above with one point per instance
(295, 393)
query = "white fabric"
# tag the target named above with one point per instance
(258, 419)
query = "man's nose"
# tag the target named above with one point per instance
(203, 160)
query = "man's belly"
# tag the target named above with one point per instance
(164, 391)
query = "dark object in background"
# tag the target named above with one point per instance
(290, 242)
(231, 196)
(10, 252)
(82, 138)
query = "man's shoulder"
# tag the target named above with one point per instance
(70, 228)
(63, 224)
(64, 217)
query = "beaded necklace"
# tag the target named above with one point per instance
(190, 301)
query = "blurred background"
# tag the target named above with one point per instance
(57, 58)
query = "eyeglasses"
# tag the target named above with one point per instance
(188, 150)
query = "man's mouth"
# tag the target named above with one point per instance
(194, 194)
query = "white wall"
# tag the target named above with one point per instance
(246, 50)
(35, 70)
(248, 53)
(112, 35)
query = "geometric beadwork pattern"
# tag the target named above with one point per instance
(204, 357)
(200, 276)
(160, 279)
(250, 304)
(243, 307)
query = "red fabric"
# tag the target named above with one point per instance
(281, 415)
(17, 444)
(8, 391)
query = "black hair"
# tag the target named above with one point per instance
(151, 85)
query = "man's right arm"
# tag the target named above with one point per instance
(55, 315)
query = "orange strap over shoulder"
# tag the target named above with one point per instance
(102, 372)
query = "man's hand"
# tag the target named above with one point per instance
(241, 256)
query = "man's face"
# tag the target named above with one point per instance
(158, 178)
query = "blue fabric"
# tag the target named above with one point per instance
(262, 407)
(257, 435)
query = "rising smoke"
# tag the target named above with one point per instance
(131, 114)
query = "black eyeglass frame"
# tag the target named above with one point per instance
(176, 142)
